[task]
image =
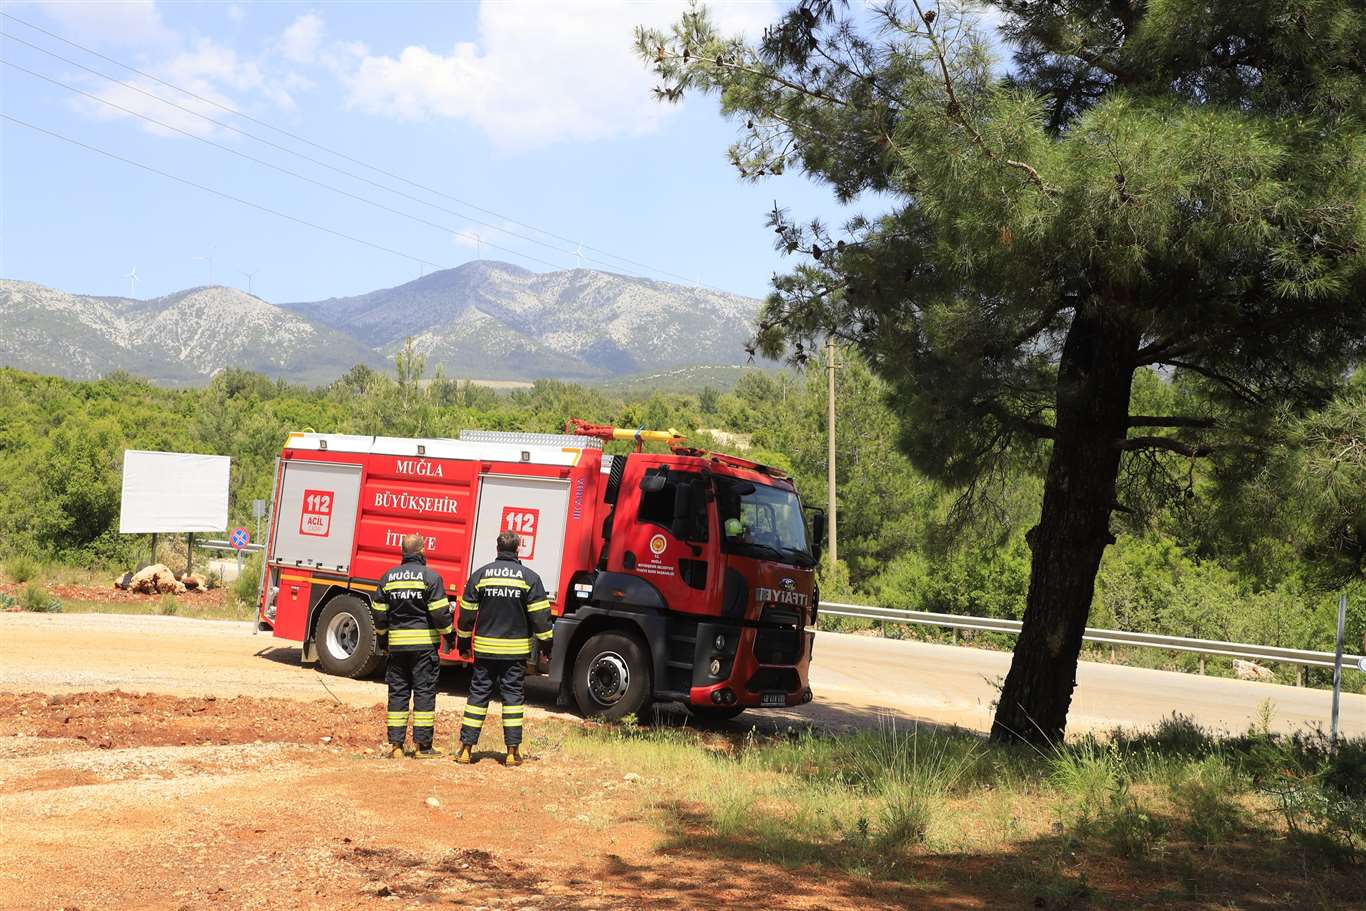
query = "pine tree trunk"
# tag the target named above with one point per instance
(1095, 375)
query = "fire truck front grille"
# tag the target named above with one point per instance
(778, 646)
(774, 680)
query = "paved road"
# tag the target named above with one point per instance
(954, 685)
(859, 681)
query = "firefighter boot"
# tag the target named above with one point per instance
(430, 752)
(391, 751)
(514, 757)
(466, 754)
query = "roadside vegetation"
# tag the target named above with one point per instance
(1173, 815)
(27, 585)
(1213, 562)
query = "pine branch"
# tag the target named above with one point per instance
(1142, 420)
(955, 111)
(1138, 444)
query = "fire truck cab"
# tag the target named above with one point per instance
(682, 576)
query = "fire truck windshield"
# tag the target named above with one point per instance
(758, 520)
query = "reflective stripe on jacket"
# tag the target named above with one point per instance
(509, 605)
(410, 606)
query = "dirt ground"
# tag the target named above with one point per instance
(172, 763)
(116, 800)
(154, 762)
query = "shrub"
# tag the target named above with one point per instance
(909, 774)
(245, 587)
(36, 600)
(21, 569)
(906, 810)
(1086, 776)
(1131, 827)
(1346, 771)
(1207, 793)
(1175, 735)
(168, 606)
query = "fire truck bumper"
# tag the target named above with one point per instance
(764, 674)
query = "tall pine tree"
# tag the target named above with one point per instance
(1176, 185)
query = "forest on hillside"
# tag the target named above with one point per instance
(1257, 558)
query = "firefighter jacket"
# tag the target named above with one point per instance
(410, 606)
(506, 604)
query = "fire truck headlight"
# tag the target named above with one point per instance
(715, 667)
(720, 643)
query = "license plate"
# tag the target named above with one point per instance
(773, 699)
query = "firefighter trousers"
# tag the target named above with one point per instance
(412, 675)
(508, 678)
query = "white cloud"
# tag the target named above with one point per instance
(214, 72)
(137, 98)
(211, 64)
(127, 23)
(540, 73)
(301, 41)
(209, 70)
(235, 12)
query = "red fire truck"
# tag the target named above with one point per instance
(683, 576)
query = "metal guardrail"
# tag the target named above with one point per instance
(224, 545)
(1105, 636)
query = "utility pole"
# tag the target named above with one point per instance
(830, 436)
(1337, 671)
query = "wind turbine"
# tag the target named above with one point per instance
(251, 277)
(478, 246)
(133, 280)
(578, 255)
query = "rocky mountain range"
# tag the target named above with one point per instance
(482, 320)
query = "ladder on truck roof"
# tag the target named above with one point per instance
(489, 446)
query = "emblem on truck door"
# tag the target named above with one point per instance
(657, 545)
(787, 583)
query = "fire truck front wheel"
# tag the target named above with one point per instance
(346, 638)
(612, 677)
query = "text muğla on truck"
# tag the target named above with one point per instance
(683, 576)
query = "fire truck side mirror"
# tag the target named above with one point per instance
(817, 534)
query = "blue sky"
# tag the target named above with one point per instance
(537, 111)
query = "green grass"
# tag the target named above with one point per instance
(885, 804)
(228, 610)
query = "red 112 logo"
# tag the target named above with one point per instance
(524, 522)
(316, 517)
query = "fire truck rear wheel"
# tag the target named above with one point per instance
(345, 638)
(612, 677)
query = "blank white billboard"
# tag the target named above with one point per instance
(173, 491)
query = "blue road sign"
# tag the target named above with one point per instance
(239, 538)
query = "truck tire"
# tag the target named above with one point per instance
(612, 677)
(345, 638)
(715, 712)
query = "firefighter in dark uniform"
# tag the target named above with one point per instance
(509, 605)
(411, 610)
